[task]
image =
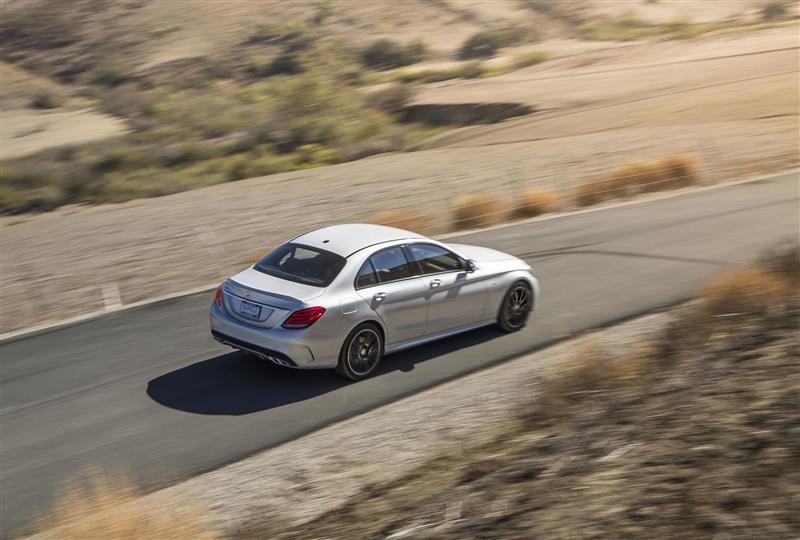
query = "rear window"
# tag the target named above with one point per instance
(302, 264)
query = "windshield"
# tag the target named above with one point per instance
(302, 264)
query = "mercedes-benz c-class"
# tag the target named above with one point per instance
(344, 296)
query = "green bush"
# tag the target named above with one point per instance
(389, 54)
(485, 44)
(392, 98)
(481, 45)
(530, 59)
(108, 75)
(288, 63)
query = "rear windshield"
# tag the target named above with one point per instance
(302, 264)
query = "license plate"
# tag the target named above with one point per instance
(249, 309)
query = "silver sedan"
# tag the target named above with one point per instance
(344, 296)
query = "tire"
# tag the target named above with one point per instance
(358, 362)
(516, 307)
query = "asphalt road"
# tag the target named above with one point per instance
(148, 393)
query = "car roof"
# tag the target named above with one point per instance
(348, 238)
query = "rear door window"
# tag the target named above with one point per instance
(391, 264)
(366, 276)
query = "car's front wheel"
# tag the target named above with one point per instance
(361, 353)
(516, 307)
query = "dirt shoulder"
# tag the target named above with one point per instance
(735, 114)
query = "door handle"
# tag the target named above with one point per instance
(435, 283)
(379, 297)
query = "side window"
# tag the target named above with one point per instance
(391, 264)
(366, 276)
(434, 259)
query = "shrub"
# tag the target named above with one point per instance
(773, 10)
(316, 154)
(469, 70)
(288, 63)
(783, 260)
(391, 98)
(476, 210)
(403, 218)
(680, 171)
(535, 201)
(485, 44)
(530, 59)
(670, 172)
(112, 508)
(480, 45)
(108, 75)
(592, 192)
(46, 100)
(744, 292)
(389, 54)
(591, 371)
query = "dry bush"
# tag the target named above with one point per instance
(670, 172)
(783, 260)
(112, 508)
(679, 171)
(747, 292)
(403, 218)
(477, 210)
(592, 192)
(536, 201)
(590, 371)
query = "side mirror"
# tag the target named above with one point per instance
(470, 266)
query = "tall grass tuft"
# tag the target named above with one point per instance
(403, 218)
(670, 172)
(477, 210)
(535, 201)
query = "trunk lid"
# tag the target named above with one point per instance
(263, 300)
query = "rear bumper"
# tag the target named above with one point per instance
(280, 346)
(262, 352)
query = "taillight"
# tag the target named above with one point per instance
(218, 296)
(303, 318)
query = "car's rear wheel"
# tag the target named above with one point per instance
(516, 307)
(361, 353)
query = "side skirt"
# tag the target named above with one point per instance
(396, 347)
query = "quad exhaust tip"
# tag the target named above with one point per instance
(262, 356)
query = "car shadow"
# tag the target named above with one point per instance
(236, 384)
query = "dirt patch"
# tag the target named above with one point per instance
(37, 113)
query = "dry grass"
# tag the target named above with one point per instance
(111, 508)
(670, 172)
(403, 218)
(477, 210)
(536, 201)
(591, 371)
(745, 292)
